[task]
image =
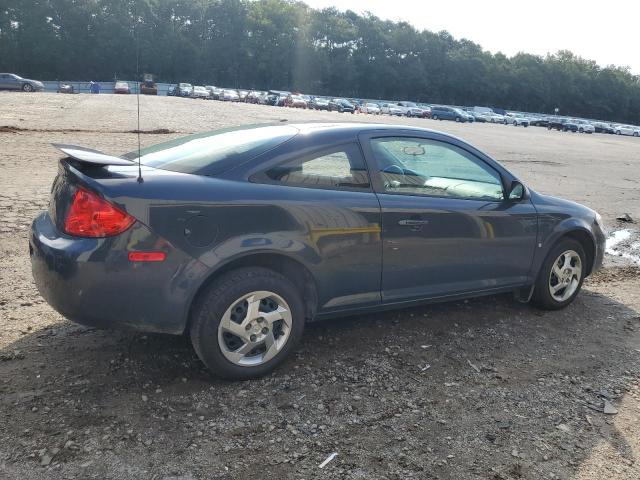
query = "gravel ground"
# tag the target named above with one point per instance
(484, 389)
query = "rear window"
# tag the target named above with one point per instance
(214, 152)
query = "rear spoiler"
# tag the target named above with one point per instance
(93, 157)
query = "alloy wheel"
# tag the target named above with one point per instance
(565, 275)
(255, 328)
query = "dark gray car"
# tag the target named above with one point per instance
(241, 236)
(11, 81)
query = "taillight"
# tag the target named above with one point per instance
(92, 216)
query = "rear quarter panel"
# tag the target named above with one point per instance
(334, 234)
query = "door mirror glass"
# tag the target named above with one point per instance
(517, 191)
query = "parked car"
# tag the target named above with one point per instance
(211, 90)
(11, 81)
(184, 89)
(493, 117)
(148, 86)
(478, 116)
(603, 127)
(121, 88)
(341, 105)
(426, 111)
(254, 96)
(627, 130)
(229, 95)
(440, 112)
(295, 101)
(410, 109)
(369, 107)
(240, 237)
(277, 97)
(516, 119)
(391, 109)
(584, 126)
(538, 121)
(562, 124)
(319, 103)
(65, 88)
(200, 92)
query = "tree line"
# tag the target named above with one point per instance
(283, 44)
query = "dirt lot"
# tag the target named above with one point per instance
(510, 392)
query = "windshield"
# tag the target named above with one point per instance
(214, 152)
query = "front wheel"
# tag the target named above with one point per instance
(27, 87)
(247, 322)
(561, 276)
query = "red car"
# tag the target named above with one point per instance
(121, 87)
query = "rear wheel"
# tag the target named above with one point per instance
(561, 276)
(246, 323)
(435, 117)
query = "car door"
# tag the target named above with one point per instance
(331, 205)
(5, 83)
(446, 226)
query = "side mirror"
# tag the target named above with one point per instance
(516, 191)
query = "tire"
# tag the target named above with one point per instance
(221, 300)
(618, 132)
(636, 134)
(435, 117)
(542, 296)
(27, 87)
(458, 119)
(581, 130)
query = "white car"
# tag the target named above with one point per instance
(391, 109)
(584, 126)
(410, 109)
(372, 108)
(200, 92)
(493, 117)
(230, 96)
(627, 130)
(515, 119)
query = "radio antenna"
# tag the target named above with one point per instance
(137, 35)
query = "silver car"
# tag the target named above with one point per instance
(11, 81)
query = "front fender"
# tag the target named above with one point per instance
(552, 229)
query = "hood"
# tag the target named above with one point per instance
(548, 201)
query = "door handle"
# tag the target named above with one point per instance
(412, 223)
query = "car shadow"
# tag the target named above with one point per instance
(479, 388)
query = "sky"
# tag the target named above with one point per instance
(600, 30)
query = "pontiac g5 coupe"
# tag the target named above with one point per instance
(240, 236)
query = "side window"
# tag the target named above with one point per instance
(337, 168)
(415, 166)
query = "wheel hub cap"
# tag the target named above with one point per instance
(254, 328)
(565, 275)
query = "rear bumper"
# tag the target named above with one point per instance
(92, 282)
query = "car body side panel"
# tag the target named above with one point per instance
(92, 282)
(462, 246)
(559, 217)
(335, 234)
